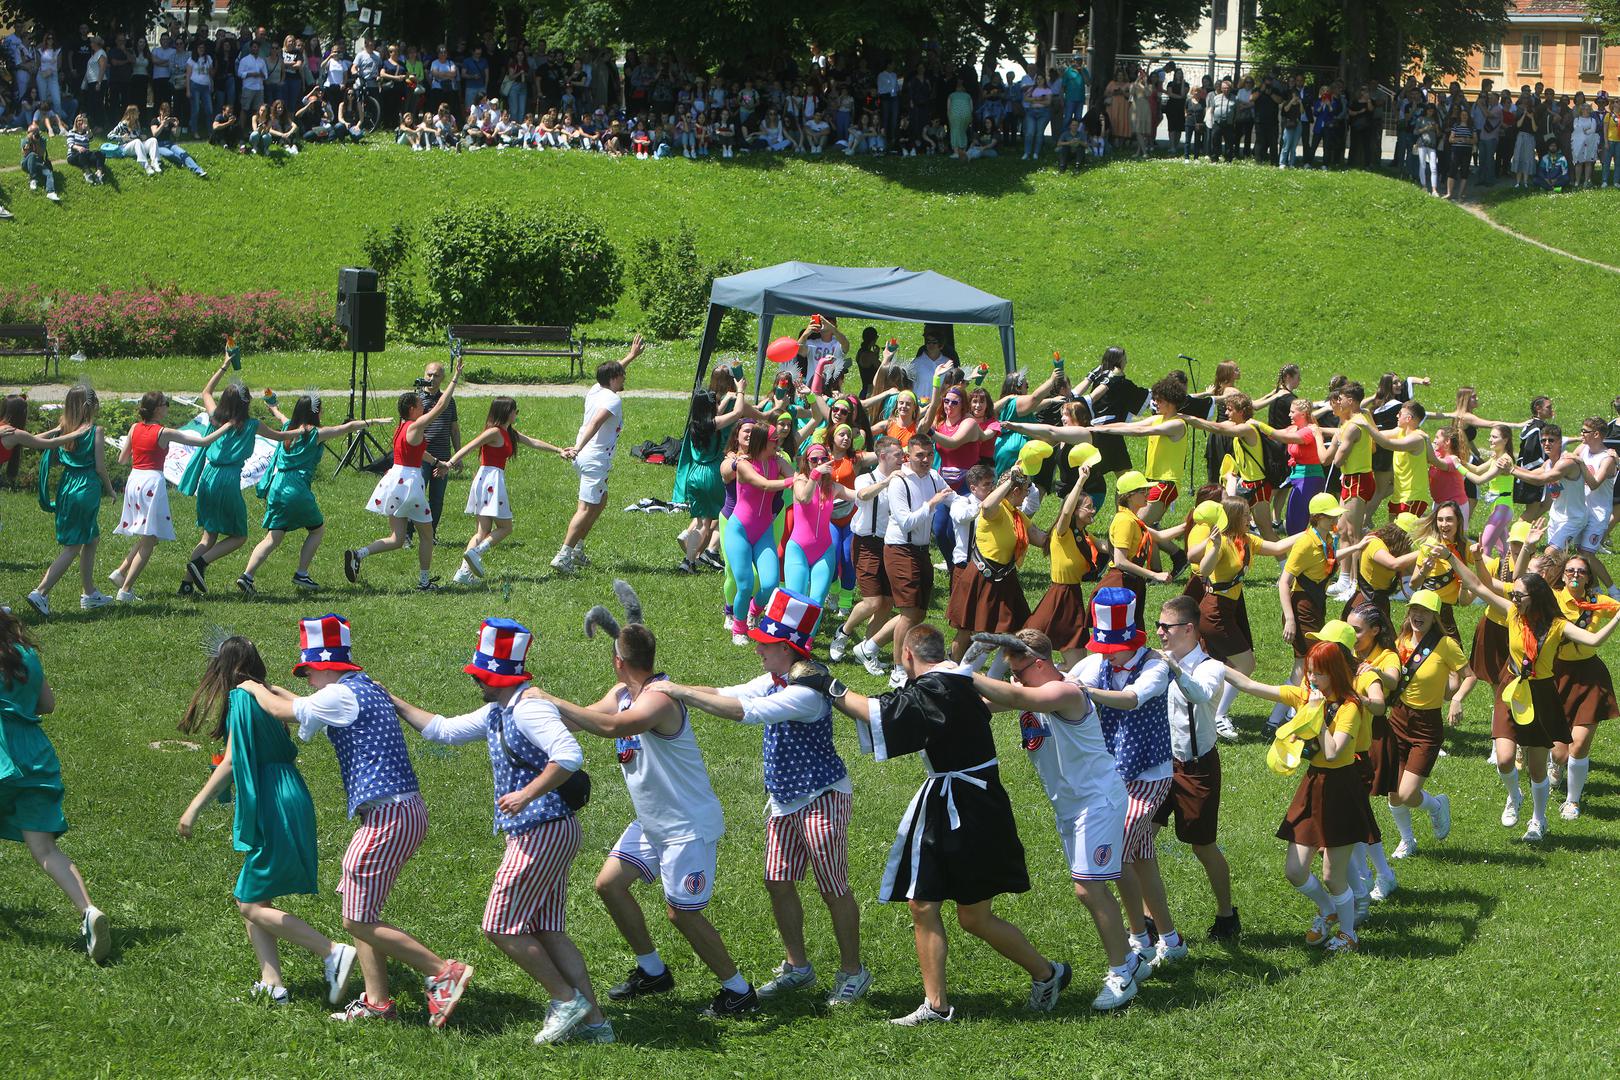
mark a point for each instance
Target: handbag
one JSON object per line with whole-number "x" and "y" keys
{"x": 575, "y": 791}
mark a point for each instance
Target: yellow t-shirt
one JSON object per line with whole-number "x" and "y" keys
{"x": 1311, "y": 557}
{"x": 1427, "y": 687}
{"x": 1229, "y": 564}
{"x": 997, "y": 532}
{"x": 1251, "y": 460}
{"x": 1070, "y": 560}
{"x": 1602, "y": 613}
{"x": 1359, "y": 457}
{"x": 1442, "y": 578}
{"x": 1372, "y": 572}
{"x": 1166, "y": 460}
{"x": 1386, "y": 661}
{"x": 1520, "y": 640}
{"x": 1493, "y": 567}
{"x": 1196, "y": 535}
{"x": 1130, "y": 537}
{"x": 1351, "y": 718}
{"x": 1411, "y": 476}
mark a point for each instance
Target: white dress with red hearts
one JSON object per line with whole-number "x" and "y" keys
{"x": 146, "y": 492}
{"x": 401, "y": 492}
{"x": 488, "y": 495}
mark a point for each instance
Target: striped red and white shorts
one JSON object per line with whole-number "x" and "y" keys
{"x": 1142, "y": 800}
{"x": 388, "y": 836}
{"x": 818, "y": 835}
{"x": 531, "y": 887}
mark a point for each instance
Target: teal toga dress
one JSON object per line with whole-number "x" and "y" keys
{"x": 275, "y": 817}
{"x": 288, "y": 501}
{"x": 697, "y": 476}
{"x": 77, "y": 505}
{"x": 30, "y": 775}
{"x": 215, "y": 478}
{"x": 959, "y": 111}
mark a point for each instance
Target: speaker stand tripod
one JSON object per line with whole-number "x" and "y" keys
{"x": 363, "y": 448}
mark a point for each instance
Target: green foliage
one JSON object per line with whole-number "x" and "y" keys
{"x": 1606, "y": 13}
{"x": 1381, "y": 38}
{"x": 670, "y": 282}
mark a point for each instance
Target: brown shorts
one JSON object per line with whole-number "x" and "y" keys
{"x": 911, "y": 575}
{"x": 1329, "y": 810}
{"x": 869, "y": 575}
{"x": 1062, "y": 615}
{"x": 1586, "y": 690}
{"x": 1549, "y": 725}
{"x": 1223, "y": 623}
{"x": 1417, "y": 735}
{"x": 1195, "y": 799}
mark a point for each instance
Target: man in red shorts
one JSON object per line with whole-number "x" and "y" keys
{"x": 1351, "y": 453}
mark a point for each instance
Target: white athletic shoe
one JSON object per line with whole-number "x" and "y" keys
{"x": 125, "y": 596}
{"x": 1383, "y": 887}
{"x": 1117, "y": 990}
{"x": 1404, "y": 849}
{"x": 336, "y": 968}
{"x": 1168, "y": 954}
{"x": 897, "y": 678}
{"x": 738, "y": 638}
{"x": 97, "y": 936}
{"x": 1363, "y": 909}
{"x": 925, "y": 1014}
{"x": 97, "y": 599}
{"x": 1569, "y": 811}
{"x": 562, "y": 1019}
{"x": 1440, "y": 817}
{"x": 39, "y": 603}
{"x": 474, "y": 560}
{"x": 839, "y": 646}
{"x": 1535, "y": 831}
{"x": 117, "y": 578}
{"x": 1226, "y": 729}
{"x": 867, "y": 653}
{"x": 850, "y": 988}
{"x": 274, "y": 996}
{"x": 462, "y": 576}
{"x": 564, "y": 562}
{"x": 1510, "y": 812}
{"x": 1554, "y": 773}
{"x": 788, "y": 978}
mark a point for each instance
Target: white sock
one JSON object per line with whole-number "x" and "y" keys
{"x": 1228, "y": 696}
{"x": 1429, "y": 802}
{"x": 1345, "y": 572}
{"x": 736, "y": 984}
{"x": 1575, "y": 778}
{"x": 1279, "y": 715}
{"x": 1380, "y": 861}
{"x": 1403, "y": 822}
{"x": 1140, "y": 941}
{"x": 1318, "y": 893}
{"x": 360, "y": 553}
{"x": 1359, "y": 872}
{"x": 1345, "y": 905}
{"x": 1173, "y": 938}
{"x": 1538, "y": 799}
{"x": 1510, "y": 780}
{"x": 650, "y": 963}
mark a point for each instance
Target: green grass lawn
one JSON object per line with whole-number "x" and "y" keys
{"x": 1579, "y": 222}
{"x": 1490, "y": 955}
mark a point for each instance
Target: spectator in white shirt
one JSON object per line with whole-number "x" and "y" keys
{"x": 253, "y": 71}
{"x": 913, "y": 494}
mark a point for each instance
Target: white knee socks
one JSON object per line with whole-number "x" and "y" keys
{"x": 1510, "y": 780}
{"x": 1345, "y": 905}
{"x": 1575, "y": 777}
{"x": 1319, "y": 894}
{"x": 1403, "y": 822}
{"x": 1380, "y": 861}
{"x": 1538, "y": 799}
{"x": 1227, "y": 697}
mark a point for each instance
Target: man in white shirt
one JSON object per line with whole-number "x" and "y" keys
{"x": 252, "y": 71}
{"x": 164, "y": 59}
{"x": 867, "y": 529}
{"x": 532, "y": 755}
{"x": 913, "y": 493}
{"x": 592, "y": 455}
{"x": 1196, "y": 683}
{"x": 927, "y": 364}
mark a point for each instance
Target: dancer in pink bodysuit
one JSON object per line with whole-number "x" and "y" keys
{"x": 810, "y": 560}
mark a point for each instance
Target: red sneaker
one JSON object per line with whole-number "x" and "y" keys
{"x": 445, "y": 989}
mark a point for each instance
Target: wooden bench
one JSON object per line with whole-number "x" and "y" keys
{"x": 539, "y": 341}
{"x": 30, "y": 339}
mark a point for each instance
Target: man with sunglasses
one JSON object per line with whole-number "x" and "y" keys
{"x": 1562, "y": 477}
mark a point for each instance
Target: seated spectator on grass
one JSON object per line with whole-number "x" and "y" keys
{"x": 1552, "y": 172}
{"x": 259, "y": 139}
{"x": 79, "y": 155}
{"x": 935, "y": 137}
{"x": 1071, "y": 147}
{"x": 36, "y": 162}
{"x": 284, "y": 129}
{"x": 816, "y": 130}
{"x": 724, "y": 133}
{"x": 43, "y": 113}
{"x": 166, "y": 130}
{"x": 227, "y": 129}
{"x": 133, "y": 141}
{"x": 446, "y": 134}
{"x": 983, "y": 144}
{"x": 1097, "y": 131}
{"x": 350, "y": 116}
{"x": 406, "y": 132}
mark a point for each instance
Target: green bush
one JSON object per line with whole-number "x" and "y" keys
{"x": 672, "y": 282}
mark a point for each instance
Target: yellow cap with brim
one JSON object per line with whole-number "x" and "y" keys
{"x": 1211, "y": 513}
{"x": 1130, "y": 482}
{"x": 1426, "y": 598}
{"x": 1083, "y": 454}
{"x": 1337, "y": 631}
{"x": 1516, "y": 696}
{"x": 1408, "y": 521}
{"x": 1519, "y": 533}
{"x": 1323, "y": 503}
{"x": 1033, "y": 455}
{"x": 1287, "y": 749}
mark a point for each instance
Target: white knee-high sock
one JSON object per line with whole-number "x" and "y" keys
{"x": 1510, "y": 780}
{"x": 1359, "y": 873}
{"x": 1578, "y": 768}
{"x": 1538, "y": 799}
{"x": 1318, "y": 893}
{"x": 1403, "y": 822}
{"x": 1429, "y": 802}
{"x": 1345, "y": 905}
{"x": 1380, "y": 860}
{"x": 1279, "y": 714}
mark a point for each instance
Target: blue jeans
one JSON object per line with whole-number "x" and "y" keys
{"x": 1035, "y": 121}
{"x": 1611, "y": 161}
{"x": 889, "y": 107}
{"x": 470, "y": 93}
{"x": 202, "y": 110}
{"x": 1290, "y": 145}
{"x": 176, "y": 153}
{"x": 1487, "y": 161}
{"x": 517, "y": 102}
{"x": 39, "y": 171}
{"x": 1073, "y": 110}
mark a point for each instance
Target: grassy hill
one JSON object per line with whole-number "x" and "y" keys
{"x": 1476, "y": 965}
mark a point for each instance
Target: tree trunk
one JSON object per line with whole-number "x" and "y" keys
{"x": 1356, "y": 61}
{"x": 1068, "y": 22}
{"x": 1105, "y": 30}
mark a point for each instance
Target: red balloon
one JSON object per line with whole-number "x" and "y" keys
{"x": 782, "y": 350}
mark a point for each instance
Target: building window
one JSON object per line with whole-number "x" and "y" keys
{"x": 1491, "y": 58}
{"x": 1530, "y": 53}
{"x": 1591, "y": 55}
{"x": 1218, "y": 10}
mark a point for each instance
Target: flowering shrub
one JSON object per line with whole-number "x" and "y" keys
{"x": 163, "y": 321}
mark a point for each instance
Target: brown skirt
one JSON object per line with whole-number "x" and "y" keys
{"x": 1223, "y": 623}
{"x": 1382, "y": 756}
{"x": 1063, "y": 616}
{"x": 1364, "y": 763}
{"x": 1417, "y": 735}
{"x": 1549, "y": 726}
{"x": 1115, "y": 578}
{"x": 1308, "y": 616}
{"x": 1586, "y": 690}
{"x": 979, "y": 605}
{"x": 1330, "y": 809}
{"x": 1489, "y": 659}
{"x": 1448, "y": 623}
{"x": 1196, "y": 587}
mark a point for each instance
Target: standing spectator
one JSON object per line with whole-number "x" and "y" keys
{"x": 165, "y": 59}
{"x": 292, "y": 72}
{"x": 1609, "y": 121}
{"x": 49, "y": 76}
{"x": 1331, "y": 119}
{"x": 474, "y": 75}
{"x": 919, "y": 94}
{"x": 93, "y": 86}
{"x": 334, "y": 75}
{"x": 1244, "y": 117}
{"x": 367, "y": 66}
{"x": 22, "y": 60}
{"x": 1364, "y": 131}
{"x": 1175, "y": 108}
{"x": 959, "y": 112}
{"x": 442, "y": 75}
{"x": 200, "y": 88}
{"x": 1407, "y": 108}
{"x": 1267, "y": 105}
{"x": 393, "y": 80}
{"x": 1037, "y": 115}
{"x": 92, "y": 162}
{"x": 1487, "y": 119}
{"x": 1075, "y": 80}
{"x": 1290, "y": 118}
{"x": 1584, "y": 145}
{"x": 1426, "y": 135}
{"x": 515, "y": 86}
{"x": 1221, "y": 118}
{"x": 1527, "y": 128}
{"x": 888, "y": 93}
{"x": 270, "y": 53}
{"x": 253, "y": 74}
{"x": 226, "y": 53}
{"x": 79, "y": 55}
{"x": 120, "y": 74}
{"x": 140, "y": 81}
{"x": 443, "y": 438}
{"x": 1142, "y": 114}
{"x": 1119, "y": 107}
{"x": 1460, "y": 153}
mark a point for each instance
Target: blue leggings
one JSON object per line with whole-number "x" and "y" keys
{"x": 844, "y": 547}
{"x": 807, "y": 578}
{"x": 754, "y": 565}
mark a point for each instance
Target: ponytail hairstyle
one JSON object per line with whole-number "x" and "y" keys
{"x": 1373, "y": 616}
{"x": 151, "y": 402}
{"x": 13, "y": 638}
{"x": 1394, "y": 538}
{"x": 1286, "y": 372}
{"x": 238, "y": 660}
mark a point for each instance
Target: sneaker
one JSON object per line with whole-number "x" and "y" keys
{"x": 37, "y": 601}
{"x": 709, "y": 559}
{"x": 445, "y": 989}
{"x": 1363, "y": 908}
{"x": 1535, "y": 831}
{"x": 117, "y": 577}
{"x": 95, "y": 933}
{"x": 351, "y": 565}
{"x": 1342, "y": 944}
{"x": 579, "y": 557}
{"x": 1043, "y": 993}
{"x": 273, "y": 996}
{"x": 727, "y": 1004}
{"x": 336, "y": 968}
{"x": 361, "y": 1009}
{"x": 925, "y": 1014}
{"x": 1117, "y": 991}
{"x": 1323, "y": 927}
{"x": 1226, "y": 729}
{"x": 430, "y": 585}
{"x": 94, "y": 600}
{"x": 867, "y": 653}
{"x": 686, "y": 566}
{"x": 1165, "y": 953}
{"x": 593, "y": 1033}
{"x": 1404, "y": 849}
{"x": 462, "y": 576}
{"x": 1510, "y": 812}
{"x": 1440, "y": 817}
{"x": 638, "y": 983}
{"x": 245, "y": 583}
{"x": 839, "y": 646}
{"x": 186, "y": 588}
{"x": 1383, "y": 887}
{"x": 304, "y": 581}
{"x": 564, "y": 561}
{"x": 897, "y": 678}
{"x": 1569, "y": 811}
{"x": 195, "y": 569}
{"x": 127, "y": 597}
{"x": 788, "y": 978}
{"x": 1226, "y": 927}
{"x": 474, "y": 560}
{"x": 564, "y": 1017}
{"x": 5, "y": 215}
{"x": 53, "y": 196}
{"x": 33, "y": 185}
{"x": 850, "y": 988}
{"x": 739, "y": 638}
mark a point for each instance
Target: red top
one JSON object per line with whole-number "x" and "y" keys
{"x": 145, "y": 450}
{"x": 497, "y": 454}
{"x": 404, "y": 452}
{"x": 5, "y": 451}
{"x": 1302, "y": 453}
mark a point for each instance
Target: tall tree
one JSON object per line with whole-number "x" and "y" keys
{"x": 1380, "y": 39}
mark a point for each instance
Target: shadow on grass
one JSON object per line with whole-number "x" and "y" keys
{"x": 49, "y": 928}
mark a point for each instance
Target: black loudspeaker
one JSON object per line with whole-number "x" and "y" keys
{"x": 362, "y": 311}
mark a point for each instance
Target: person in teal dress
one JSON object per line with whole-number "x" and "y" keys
{"x": 274, "y": 826}
{"x": 215, "y": 478}
{"x": 698, "y": 483}
{"x": 31, "y": 778}
{"x": 289, "y": 502}
{"x": 959, "y": 113}
{"x": 77, "y": 499}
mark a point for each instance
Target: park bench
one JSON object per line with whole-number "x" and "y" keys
{"x": 30, "y": 339}
{"x": 536, "y": 341}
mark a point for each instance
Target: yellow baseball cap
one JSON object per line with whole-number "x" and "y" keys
{"x": 1408, "y": 521}
{"x": 1519, "y": 533}
{"x": 1516, "y": 694}
{"x": 1083, "y": 454}
{"x": 1426, "y": 598}
{"x": 1211, "y": 513}
{"x": 1337, "y": 631}
{"x": 1323, "y": 503}
{"x": 1033, "y": 455}
{"x": 1130, "y": 482}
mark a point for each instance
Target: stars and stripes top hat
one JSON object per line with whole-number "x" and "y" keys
{"x": 502, "y": 646}
{"x": 323, "y": 645}
{"x": 1114, "y": 626}
{"x": 790, "y": 619}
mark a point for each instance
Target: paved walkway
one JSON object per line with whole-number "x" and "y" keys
{"x": 57, "y": 391}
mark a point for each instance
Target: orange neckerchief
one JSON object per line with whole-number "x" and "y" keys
{"x": 1020, "y": 535}
{"x": 1145, "y": 548}
{"x": 1330, "y": 551}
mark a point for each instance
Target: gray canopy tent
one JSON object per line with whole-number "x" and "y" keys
{"x": 888, "y": 293}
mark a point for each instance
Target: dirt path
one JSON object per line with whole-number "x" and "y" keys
{"x": 1480, "y": 212}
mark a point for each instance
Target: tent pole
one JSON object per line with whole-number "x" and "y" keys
{"x": 765, "y": 320}
{"x": 711, "y": 337}
{"x": 1009, "y": 350}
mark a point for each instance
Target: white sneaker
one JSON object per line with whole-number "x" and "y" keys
{"x": 336, "y": 968}
{"x": 274, "y": 996}
{"x": 1555, "y": 775}
{"x": 1117, "y": 990}
{"x": 925, "y": 1014}
{"x": 1440, "y": 817}
{"x": 867, "y": 653}
{"x": 1168, "y": 954}
{"x": 1226, "y": 729}
{"x": 1569, "y": 811}
{"x": 1043, "y": 993}
{"x": 97, "y": 937}
{"x": 897, "y": 678}
{"x": 1363, "y": 908}
{"x": 564, "y": 561}
{"x": 117, "y": 577}
{"x": 563, "y": 1019}
{"x": 53, "y": 196}
{"x": 1536, "y": 830}
{"x": 125, "y": 596}
{"x": 788, "y": 978}
{"x": 94, "y": 600}
{"x": 1404, "y": 849}
{"x": 850, "y": 988}
{"x": 1383, "y": 887}
{"x": 474, "y": 560}
{"x": 1510, "y": 812}
{"x": 33, "y": 185}
{"x": 839, "y": 646}
{"x": 39, "y": 603}
{"x": 462, "y": 576}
